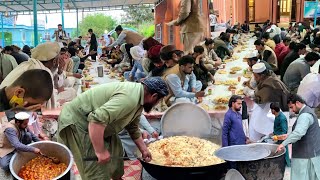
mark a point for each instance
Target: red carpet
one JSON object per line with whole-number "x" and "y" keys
{"x": 132, "y": 170}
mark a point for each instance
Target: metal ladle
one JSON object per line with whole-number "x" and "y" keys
{"x": 54, "y": 159}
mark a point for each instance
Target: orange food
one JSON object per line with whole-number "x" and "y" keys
{"x": 41, "y": 168}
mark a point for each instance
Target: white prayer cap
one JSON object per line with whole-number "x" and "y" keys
{"x": 22, "y": 116}
{"x": 252, "y": 54}
{"x": 137, "y": 53}
{"x": 46, "y": 51}
{"x": 259, "y": 68}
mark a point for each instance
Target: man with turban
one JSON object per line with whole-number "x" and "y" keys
{"x": 89, "y": 125}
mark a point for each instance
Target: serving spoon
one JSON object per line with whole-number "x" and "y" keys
{"x": 54, "y": 159}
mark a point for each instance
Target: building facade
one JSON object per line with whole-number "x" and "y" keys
{"x": 258, "y": 11}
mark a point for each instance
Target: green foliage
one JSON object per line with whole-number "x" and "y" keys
{"x": 7, "y": 38}
{"x": 147, "y": 29}
{"x": 140, "y": 18}
{"x": 97, "y": 22}
{"x": 136, "y": 15}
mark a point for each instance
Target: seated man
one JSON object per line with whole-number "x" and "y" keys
{"x": 16, "y": 136}
{"x": 182, "y": 81}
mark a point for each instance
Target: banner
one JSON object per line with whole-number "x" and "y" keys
{"x": 309, "y": 9}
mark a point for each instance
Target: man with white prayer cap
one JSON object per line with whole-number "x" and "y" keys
{"x": 15, "y": 136}
{"x": 269, "y": 89}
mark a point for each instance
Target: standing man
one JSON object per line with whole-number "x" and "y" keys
{"x": 126, "y": 36}
{"x": 213, "y": 20}
{"x": 232, "y": 129}
{"x": 60, "y": 35}
{"x": 190, "y": 21}
{"x": 305, "y": 163}
{"x": 89, "y": 125}
{"x": 93, "y": 44}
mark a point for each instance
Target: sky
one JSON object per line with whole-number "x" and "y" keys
{"x": 69, "y": 18}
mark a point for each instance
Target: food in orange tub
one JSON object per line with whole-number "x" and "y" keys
{"x": 41, "y": 168}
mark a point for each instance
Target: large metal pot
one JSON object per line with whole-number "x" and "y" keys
{"x": 185, "y": 173}
{"x": 271, "y": 167}
{"x": 48, "y": 148}
{"x": 159, "y": 172}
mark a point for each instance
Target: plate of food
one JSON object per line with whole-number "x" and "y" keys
{"x": 232, "y": 88}
{"x": 218, "y": 83}
{"x": 236, "y": 68}
{"x": 221, "y": 100}
{"x": 88, "y": 78}
{"x": 231, "y": 82}
{"x": 233, "y": 72}
{"x": 239, "y": 92}
{"x": 222, "y": 71}
{"x": 228, "y": 60}
{"x": 220, "y": 108}
{"x": 247, "y": 75}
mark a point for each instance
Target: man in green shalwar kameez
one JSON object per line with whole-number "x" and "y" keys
{"x": 89, "y": 124}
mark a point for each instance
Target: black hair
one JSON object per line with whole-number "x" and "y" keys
{"x": 233, "y": 99}
{"x": 299, "y": 46}
{"x": 277, "y": 39}
{"x": 64, "y": 44}
{"x": 72, "y": 51}
{"x": 292, "y": 45}
{"x": 293, "y": 98}
{"x": 80, "y": 37}
{"x": 208, "y": 41}
{"x": 118, "y": 28}
{"x": 287, "y": 39}
{"x": 275, "y": 106}
{"x": 41, "y": 86}
{"x": 266, "y": 35}
{"x": 90, "y": 30}
{"x": 7, "y": 48}
{"x": 198, "y": 49}
{"x": 282, "y": 29}
{"x": 312, "y": 56}
{"x": 259, "y": 42}
{"x": 225, "y": 37}
{"x": 179, "y": 53}
{"x": 186, "y": 60}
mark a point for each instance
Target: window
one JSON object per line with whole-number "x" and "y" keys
{"x": 23, "y": 36}
{"x": 251, "y": 4}
{"x": 171, "y": 35}
{"x": 159, "y": 33}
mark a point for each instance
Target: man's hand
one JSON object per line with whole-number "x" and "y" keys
{"x": 36, "y": 151}
{"x": 61, "y": 89}
{"x": 280, "y": 148}
{"x": 155, "y": 135}
{"x": 200, "y": 94}
{"x": 44, "y": 137}
{"x": 77, "y": 75}
{"x": 33, "y": 107}
{"x": 171, "y": 23}
{"x": 103, "y": 157}
{"x": 145, "y": 135}
{"x": 146, "y": 155}
{"x": 218, "y": 63}
{"x": 92, "y": 52}
{"x": 131, "y": 78}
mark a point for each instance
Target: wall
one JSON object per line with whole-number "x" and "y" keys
{"x": 262, "y": 10}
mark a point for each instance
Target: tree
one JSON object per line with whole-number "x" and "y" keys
{"x": 99, "y": 23}
{"x": 136, "y": 15}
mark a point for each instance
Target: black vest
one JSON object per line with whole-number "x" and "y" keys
{"x": 309, "y": 145}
